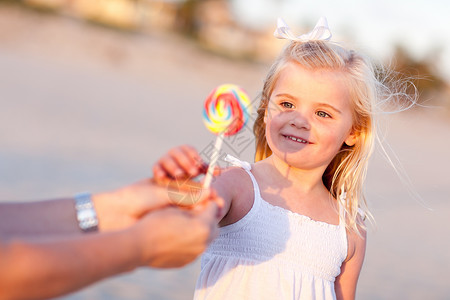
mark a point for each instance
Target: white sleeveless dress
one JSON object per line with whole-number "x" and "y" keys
{"x": 272, "y": 253}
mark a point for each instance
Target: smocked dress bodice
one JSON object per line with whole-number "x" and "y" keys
{"x": 272, "y": 253}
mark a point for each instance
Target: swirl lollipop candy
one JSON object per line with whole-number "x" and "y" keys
{"x": 226, "y": 111}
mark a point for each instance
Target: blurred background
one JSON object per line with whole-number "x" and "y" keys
{"x": 92, "y": 92}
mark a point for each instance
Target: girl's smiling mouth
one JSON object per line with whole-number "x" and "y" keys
{"x": 296, "y": 139}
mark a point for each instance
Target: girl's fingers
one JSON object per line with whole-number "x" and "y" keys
{"x": 193, "y": 154}
{"x": 204, "y": 168}
{"x": 187, "y": 159}
{"x": 171, "y": 167}
{"x": 183, "y": 161}
{"x": 159, "y": 173}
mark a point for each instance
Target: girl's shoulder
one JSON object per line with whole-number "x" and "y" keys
{"x": 235, "y": 186}
{"x": 234, "y": 178}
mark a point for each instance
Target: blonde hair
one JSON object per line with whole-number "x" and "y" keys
{"x": 347, "y": 170}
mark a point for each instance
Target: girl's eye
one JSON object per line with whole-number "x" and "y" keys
{"x": 287, "y": 105}
{"x": 323, "y": 114}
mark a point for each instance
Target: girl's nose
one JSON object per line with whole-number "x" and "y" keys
{"x": 299, "y": 121}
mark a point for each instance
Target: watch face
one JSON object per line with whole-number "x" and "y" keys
{"x": 86, "y": 215}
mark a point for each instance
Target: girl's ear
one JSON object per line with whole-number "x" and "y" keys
{"x": 352, "y": 138}
{"x": 265, "y": 116}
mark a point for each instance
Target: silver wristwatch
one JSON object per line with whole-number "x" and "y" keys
{"x": 86, "y": 215}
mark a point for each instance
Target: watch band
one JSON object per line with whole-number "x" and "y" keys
{"x": 86, "y": 215}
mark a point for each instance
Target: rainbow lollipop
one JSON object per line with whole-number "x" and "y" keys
{"x": 226, "y": 111}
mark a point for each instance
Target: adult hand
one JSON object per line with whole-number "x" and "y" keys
{"x": 124, "y": 207}
{"x": 173, "y": 237}
{"x": 55, "y": 265}
{"x": 121, "y": 208}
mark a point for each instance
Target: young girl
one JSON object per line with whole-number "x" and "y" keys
{"x": 292, "y": 226}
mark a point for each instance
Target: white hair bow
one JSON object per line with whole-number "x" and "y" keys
{"x": 321, "y": 32}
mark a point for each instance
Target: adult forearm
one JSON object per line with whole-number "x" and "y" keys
{"x": 115, "y": 210}
{"x": 38, "y": 218}
{"x": 40, "y": 270}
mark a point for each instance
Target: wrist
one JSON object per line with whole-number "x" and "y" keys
{"x": 104, "y": 204}
{"x": 114, "y": 210}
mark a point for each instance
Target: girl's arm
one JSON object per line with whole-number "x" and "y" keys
{"x": 345, "y": 284}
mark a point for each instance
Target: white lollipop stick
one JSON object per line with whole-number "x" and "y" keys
{"x": 214, "y": 157}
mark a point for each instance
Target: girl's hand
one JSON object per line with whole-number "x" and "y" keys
{"x": 175, "y": 171}
{"x": 180, "y": 162}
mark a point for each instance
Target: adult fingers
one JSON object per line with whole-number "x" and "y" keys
{"x": 209, "y": 217}
{"x": 207, "y": 212}
{"x": 208, "y": 195}
{"x": 206, "y": 218}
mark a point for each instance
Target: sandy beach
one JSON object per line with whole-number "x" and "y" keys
{"x": 86, "y": 108}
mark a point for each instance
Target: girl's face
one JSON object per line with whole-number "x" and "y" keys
{"x": 309, "y": 116}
